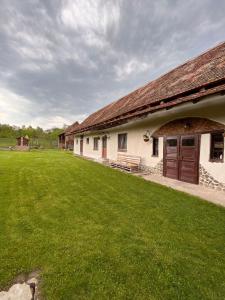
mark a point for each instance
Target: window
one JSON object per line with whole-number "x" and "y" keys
{"x": 155, "y": 147}
{"x": 188, "y": 142}
{"x": 217, "y": 147}
{"x": 122, "y": 142}
{"x": 87, "y": 140}
{"x": 171, "y": 142}
{"x": 96, "y": 143}
{"x": 77, "y": 141}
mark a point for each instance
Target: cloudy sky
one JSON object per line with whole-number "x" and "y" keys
{"x": 61, "y": 60}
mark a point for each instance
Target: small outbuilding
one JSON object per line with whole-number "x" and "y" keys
{"x": 66, "y": 138}
{"x": 22, "y": 143}
{"x": 61, "y": 140}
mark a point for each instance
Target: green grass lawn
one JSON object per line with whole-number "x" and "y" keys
{"x": 97, "y": 233}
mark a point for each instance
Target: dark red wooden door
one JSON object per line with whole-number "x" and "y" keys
{"x": 81, "y": 146}
{"x": 104, "y": 147}
{"x": 171, "y": 157}
{"x": 181, "y": 158}
{"x": 189, "y": 158}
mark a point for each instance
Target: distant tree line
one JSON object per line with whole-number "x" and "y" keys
{"x": 8, "y": 131}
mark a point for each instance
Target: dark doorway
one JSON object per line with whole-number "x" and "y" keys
{"x": 181, "y": 158}
{"x": 104, "y": 147}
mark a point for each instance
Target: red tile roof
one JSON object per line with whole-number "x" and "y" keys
{"x": 194, "y": 79}
{"x": 70, "y": 129}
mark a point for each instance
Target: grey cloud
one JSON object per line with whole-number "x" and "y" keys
{"x": 69, "y": 58}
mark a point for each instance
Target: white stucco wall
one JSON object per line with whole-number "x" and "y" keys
{"x": 216, "y": 169}
{"x": 135, "y": 146}
{"x": 212, "y": 108}
{"x": 88, "y": 149}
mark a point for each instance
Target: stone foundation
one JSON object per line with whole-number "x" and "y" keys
{"x": 158, "y": 169}
{"x": 206, "y": 179}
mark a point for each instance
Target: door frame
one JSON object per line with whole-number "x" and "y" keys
{"x": 179, "y": 138}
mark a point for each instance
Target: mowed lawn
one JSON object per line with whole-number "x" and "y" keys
{"x": 97, "y": 233}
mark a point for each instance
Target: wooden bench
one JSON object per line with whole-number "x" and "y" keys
{"x": 129, "y": 163}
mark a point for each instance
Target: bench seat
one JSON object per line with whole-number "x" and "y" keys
{"x": 129, "y": 163}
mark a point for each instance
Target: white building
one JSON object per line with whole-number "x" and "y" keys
{"x": 175, "y": 123}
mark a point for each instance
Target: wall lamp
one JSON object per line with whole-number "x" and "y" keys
{"x": 147, "y": 136}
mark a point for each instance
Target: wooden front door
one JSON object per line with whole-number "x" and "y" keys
{"x": 81, "y": 146}
{"x": 104, "y": 147}
{"x": 181, "y": 158}
{"x": 189, "y": 158}
{"x": 171, "y": 156}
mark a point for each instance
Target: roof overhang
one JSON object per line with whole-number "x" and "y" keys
{"x": 194, "y": 96}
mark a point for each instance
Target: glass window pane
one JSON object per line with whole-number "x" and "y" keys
{"x": 171, "y": 142}
{"x": 155, "y": 144}
{"x": 217, "y": 146}
{"x": 96, "y": 143}
{"x": 122, "y": 141}
{"x": 188, "y": 142}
